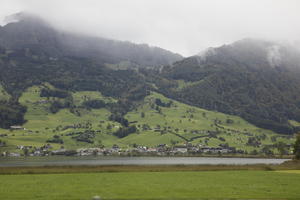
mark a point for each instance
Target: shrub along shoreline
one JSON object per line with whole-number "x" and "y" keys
{"x": 288, "y": 165}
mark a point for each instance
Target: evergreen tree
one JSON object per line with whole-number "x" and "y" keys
{"x": 297, "y": 147}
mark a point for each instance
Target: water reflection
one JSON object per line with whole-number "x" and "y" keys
{"x": 43, "y": 161}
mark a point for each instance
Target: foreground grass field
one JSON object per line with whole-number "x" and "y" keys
{"x": 152, "y": 185}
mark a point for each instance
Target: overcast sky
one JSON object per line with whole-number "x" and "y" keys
{"x": 183, "y": 26}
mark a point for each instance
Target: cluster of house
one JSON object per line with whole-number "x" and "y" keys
{"x": 30, "y": 151}
{"x": 183, "y": 149}
{"x": 160, "y": 150}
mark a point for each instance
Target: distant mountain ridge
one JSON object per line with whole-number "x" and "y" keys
{"x": 27, "y": 30}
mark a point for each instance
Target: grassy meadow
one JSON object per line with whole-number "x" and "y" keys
{"x": 194, "y": 124}
{"x": 173, "y": 125}
{"x": 153, "y": 185}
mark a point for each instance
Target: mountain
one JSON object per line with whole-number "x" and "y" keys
{"x": 255, "y": 79}
{"x": 32, "y": 52}
{"x": 82, "y": 91}
{"x": 29, "y": 31}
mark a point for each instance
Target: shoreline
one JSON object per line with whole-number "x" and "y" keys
{"x": 67, "y": 169}
{"x": 142, "y": 168}
{"x": 161, "y": 156}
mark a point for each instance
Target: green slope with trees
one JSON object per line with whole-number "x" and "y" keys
{"x": 90, "y": 120}
{"x": 240, "y": 79}
{"x": 79, "y": 91}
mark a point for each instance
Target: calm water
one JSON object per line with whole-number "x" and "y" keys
{"x": 47, "y": 161}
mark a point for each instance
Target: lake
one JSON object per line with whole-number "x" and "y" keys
{"x": 63, "y": 161}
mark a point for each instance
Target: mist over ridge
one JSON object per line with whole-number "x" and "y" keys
{"x": 185, "y": 28}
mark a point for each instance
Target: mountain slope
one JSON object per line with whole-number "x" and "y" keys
{"x": 158, "y": 120}
{"x": 257, "y": 80}
{"x": 80, "y": 91}
{"x": 32, "y": 52}
{"x": 29, "y": 31}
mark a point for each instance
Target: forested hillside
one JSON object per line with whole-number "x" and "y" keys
{"x": 92, "y": 122}
{"x": 257, "y": 80}
{"x": 33, "y": 52}
{"x": 253, "y": 79}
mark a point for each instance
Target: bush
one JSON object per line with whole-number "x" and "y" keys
{"x": 297, "y": 147}
{"x": 11, "y": 113}
{"x": 95, "y": 104}
{"x": 53, "y": 93}
{"x": 86, "y": 136}
{"x": 125, "y": 131}
{"x": 162, "y": 104}
{"x": 120, "y": 119}
{"x": 55, "y": 139}
{"x": 56, "y": 106}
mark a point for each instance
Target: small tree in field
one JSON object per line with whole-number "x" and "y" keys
{"x": 297, "y": 147}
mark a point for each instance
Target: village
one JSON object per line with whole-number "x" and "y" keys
{"x": 115, "y": 150}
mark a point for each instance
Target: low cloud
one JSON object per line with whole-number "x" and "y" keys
{"x": 274, "y": 57}
{"x": 186, "y": 27}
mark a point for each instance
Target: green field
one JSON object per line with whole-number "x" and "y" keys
{"x": 152, "y": 185}
{"x": 173, "y": 125}
{"x": 194, "y": 123}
